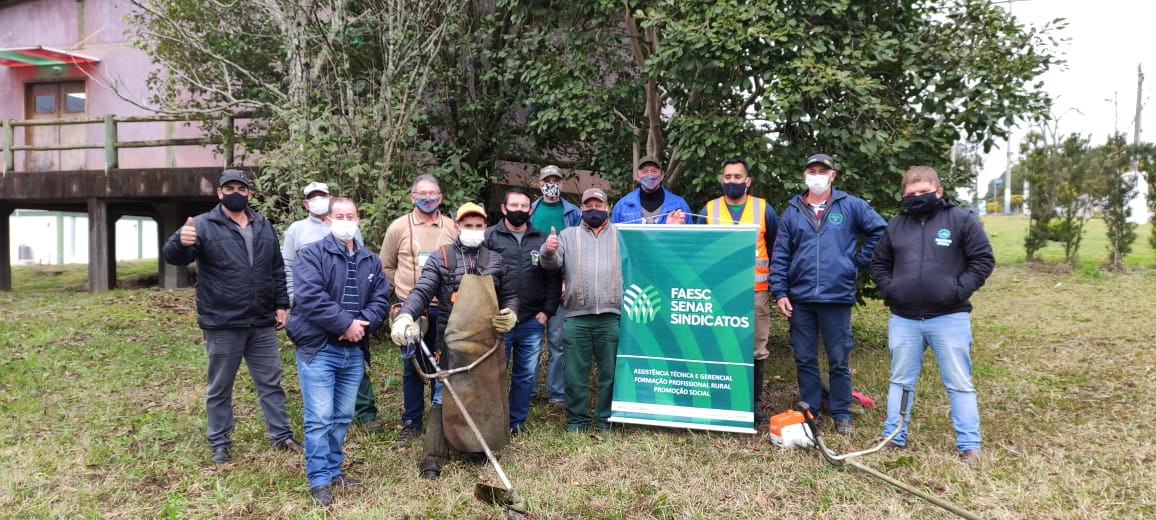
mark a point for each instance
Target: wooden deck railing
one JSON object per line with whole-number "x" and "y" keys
{"x": 111, "y": 144}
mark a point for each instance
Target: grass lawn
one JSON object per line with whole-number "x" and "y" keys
{"x": 102, "y": 401}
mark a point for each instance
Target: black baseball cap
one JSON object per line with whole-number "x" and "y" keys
{"x": 228, "y": 176}
{"x": 820, "y": 158}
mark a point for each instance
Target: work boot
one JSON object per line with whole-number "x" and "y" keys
{"x": 322, "y": 495}
{"x": 757, "y": 386}
{"x": 291, "y": 444}
{"x": 408, "y": 432}
{"x": 220, "y": 455}
{"x": 844, "y": 427}
{"x": 344, "y": 481}
{"x": 372, "y": 426}
{"x": 970, "y": 457}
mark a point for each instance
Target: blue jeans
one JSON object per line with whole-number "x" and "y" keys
{"x": 413, "y": 385}
{"x": 950, "y": 339}
{"x": 833, "y": 321}
{"x": 555, "y": 373}
{"x": 328, "y": 392}
{"x": 523, "y": 351}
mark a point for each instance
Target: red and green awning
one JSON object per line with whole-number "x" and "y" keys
{"x": 41, "y": 57}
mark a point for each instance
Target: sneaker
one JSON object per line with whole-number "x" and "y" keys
{"x": 558, "y": 403}
{"x": 891, "y": 446}
{"x": 970, "y": 457}
{"x": 844, "y": 427}
{"x": 344, "y": 481}
{"x": 290, "y": 444}
{"x": 408, "y": 432}
{"x": 220, "y": 455}
{"x": 322, "y": 495}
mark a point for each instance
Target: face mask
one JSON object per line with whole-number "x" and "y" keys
{"x": 920, "y": 204}
{"x": 734, "y": 190}
{"x": 343, "y": 230}
{"x": 426, "y": 205}
{"x": 594, "y": 217}
{"x": 650, "y": 182}
{"x": 319, "y": 205}
{"x": 235, "y": 201}
{"x": 818, "y": 183}
{"x": 551, "y": 190}
{"x": 517, "y": 218}
{"x": 472, "y": 237}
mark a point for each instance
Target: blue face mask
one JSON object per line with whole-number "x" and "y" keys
{"x": 426, "y": 205}
{"x": 650, "y": 182}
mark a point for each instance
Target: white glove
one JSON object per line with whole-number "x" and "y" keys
{"x": 403, "y": 328}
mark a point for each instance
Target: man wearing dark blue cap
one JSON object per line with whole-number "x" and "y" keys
{"x": 813, "y": 272}
{"x": 241, "y": 304}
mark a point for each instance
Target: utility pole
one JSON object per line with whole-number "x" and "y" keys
{"x": 1007, "y": 182}
{"x": 1139, "y": 108}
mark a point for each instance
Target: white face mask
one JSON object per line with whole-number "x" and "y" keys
{"x": 319, "y": 205}
{"x": 343, "y": 230}
{"x": 818, "y": 184}
{"x": 472, "y": 237}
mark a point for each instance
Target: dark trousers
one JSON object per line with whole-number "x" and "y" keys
{"x": 412, "y": 384}
{"x": 587, "y": 340}
{"x": 833, "y": 321}
{"x": 365, "y": 410}
{"x": 225, "y": 348}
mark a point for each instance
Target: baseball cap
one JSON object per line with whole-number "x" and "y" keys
{"x": 550, "y": 171}
{"x": 649, "y": 159}
{"x": 593, "y": 193}
{"x": 820, "y": 158}
{"x": 316, "y": 186}
{"x": 469, "y": 208}
{"x": 228, "y": 176}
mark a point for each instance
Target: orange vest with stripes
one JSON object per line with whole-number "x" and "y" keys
{"x": 755, "y": 213}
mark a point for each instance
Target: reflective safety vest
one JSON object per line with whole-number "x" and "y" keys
{"x": 755, "y": 213}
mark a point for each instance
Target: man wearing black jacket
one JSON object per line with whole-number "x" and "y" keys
{"x": 241, "y": 304}
{"x": 539, "y": 292}
{"x": 930, "y": 260}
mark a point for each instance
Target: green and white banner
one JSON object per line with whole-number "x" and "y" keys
{"x": 686, "y": 346}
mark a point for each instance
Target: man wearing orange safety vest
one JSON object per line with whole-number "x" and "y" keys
{"x": 736, "y": 207}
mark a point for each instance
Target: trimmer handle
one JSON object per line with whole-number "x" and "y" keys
{"x": 808, "y": 417}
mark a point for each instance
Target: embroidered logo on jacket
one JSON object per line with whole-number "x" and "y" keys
{"x": 943, "y": 237}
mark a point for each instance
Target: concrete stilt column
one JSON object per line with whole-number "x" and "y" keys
{"x": 99, "y": 244}
{"x": 170, "y": 218}
{"x": 5, "y": 249}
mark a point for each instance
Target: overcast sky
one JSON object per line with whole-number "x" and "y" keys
{"x": 1106, "y": 40}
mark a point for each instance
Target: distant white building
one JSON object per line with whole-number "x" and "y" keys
{"x": 54, "y": 237}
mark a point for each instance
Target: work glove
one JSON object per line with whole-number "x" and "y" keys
{"x": 504, "y": 321}
{"x": 404, "y": 328}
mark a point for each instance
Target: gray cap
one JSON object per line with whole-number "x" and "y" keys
{"x": 228, "y": 176}
{"x": 550, "y": 171}
{"x": 316, "y": 186}
{"x": 821, "y": 158}
{"x": 649, "y": 159}
{"x": 594, "y": 193}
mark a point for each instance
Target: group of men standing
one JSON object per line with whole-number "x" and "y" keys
{"x": 556, "y": 273}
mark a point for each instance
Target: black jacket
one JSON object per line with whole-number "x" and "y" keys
{"x": 437, "y": 280}
{"x": 538, "y": 290}
{"x": 929, "y": 265}
{"x": 231, "y": 293}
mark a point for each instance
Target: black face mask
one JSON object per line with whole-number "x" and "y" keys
{"x": 734, "y": 190}
{"x": 234, "y": 201}
{"x": 517, "y": 218}
{"x": 920, "y": 204}
{"x": 594, "y": 217}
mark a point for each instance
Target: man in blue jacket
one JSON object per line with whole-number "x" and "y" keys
{"x": 342, "y": 297}
{"x": 930, "y": 261}
{"x": 813, "y": 272}
{"x": 651, "y": 203}
{"x": 241, "y": 304}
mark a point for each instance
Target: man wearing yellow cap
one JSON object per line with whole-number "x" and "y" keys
{"x": 440, "y": 276}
